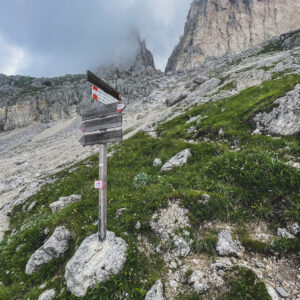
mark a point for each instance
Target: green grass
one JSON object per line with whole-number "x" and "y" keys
{"x": 252, "y": 184}
{"x": 243, "y": 284}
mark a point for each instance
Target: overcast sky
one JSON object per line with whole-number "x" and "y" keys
{"x": 57, "y": 37}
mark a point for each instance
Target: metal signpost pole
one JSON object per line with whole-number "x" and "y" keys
{"x": 102, "y": 192}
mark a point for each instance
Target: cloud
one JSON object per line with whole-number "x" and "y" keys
{"x": 13, "y": 59}
{"x": 55, "y": 37}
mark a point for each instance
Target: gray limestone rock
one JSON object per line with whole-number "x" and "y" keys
{"x": 284, "y": 119}
{"x": 282, "y": 232}
{"x": 251, "y": 78}
{"x": 281, "y": 292}
{"x": 207, "y": 87}
{"x": 157, "y": 162}
{"x": 156, "y": 292}
{"x": 177, "y": 161}
{"x": 54, "y": 247}
{"x": 181, "y": 247}
{"x": 226, "y": 246}
{"x": 95, "y": 262}
{"x": 272, "y": 293}
{"x": 62, "y": 202}
{"x": 176, "y": 98}
{"x": 199, "y": 282}
{"x": 47, "y": 295}
{"x": 294, "y": 228}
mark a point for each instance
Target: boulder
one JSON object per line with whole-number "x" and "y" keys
{"x": 156, "y": 292}
{"x": 177, "y": 161}
{"x": 54, "y": 247}
{"x": 95, "y": 262}
{"x": 47, "y": 295}
{"x": 226, "y": 246}
{"x": 62, "y": 202}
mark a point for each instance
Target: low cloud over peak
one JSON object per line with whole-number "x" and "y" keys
{"x": 55, "y": 37}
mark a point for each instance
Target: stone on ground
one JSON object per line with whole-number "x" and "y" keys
{"x": 226, "y": 246}
{"x": 54, "y": 247}
{"x": 177, "y": 161}
{"x": 282, "y": 232}
{"x": 95, "y": 262}
{"x": 181, "y": 247}
{"x": 199, "y": 282}
{"x": 62, "y": 202}
{"x": 272, "y": 293}
{"x": 156, "y": 292}
{"x": 281, "y": 292}
{"x": 47, "y": 295}
{"x": 157, "y": 162}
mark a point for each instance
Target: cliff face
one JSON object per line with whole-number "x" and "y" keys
{"x": 217, "y": 27}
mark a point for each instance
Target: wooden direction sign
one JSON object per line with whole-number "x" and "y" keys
{"x": 103, "y": 123}
{"x": 101, "y": 138}
{"x": 98, "y": 121}
{"x": 103, "y": 111}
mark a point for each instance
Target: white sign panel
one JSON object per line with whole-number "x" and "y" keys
{"x": 103, "y": 97}
{"x": 99, "y": 185}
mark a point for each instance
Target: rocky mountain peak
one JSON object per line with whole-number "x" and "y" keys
{"x": 141, "y": 60}
{"x": 218, "y": 27}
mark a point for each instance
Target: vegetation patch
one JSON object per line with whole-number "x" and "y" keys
{"x": 243, "y": 284}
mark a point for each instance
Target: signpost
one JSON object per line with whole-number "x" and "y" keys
{"x": 98, "y": 121}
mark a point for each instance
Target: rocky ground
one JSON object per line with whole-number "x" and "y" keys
{"x": 197, "y": 254}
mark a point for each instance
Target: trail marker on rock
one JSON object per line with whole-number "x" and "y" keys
{"x": 105, "y": 117}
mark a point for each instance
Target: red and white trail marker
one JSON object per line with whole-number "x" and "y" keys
{"x": 99, "y": 185}
{"x": 103, "y": 97}
{"x": 120, "y": 107}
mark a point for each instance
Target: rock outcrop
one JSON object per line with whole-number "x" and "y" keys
{"x": 95, "y": 262}
{"x": 54, "y": 247}
{"x": 177, "y": 161}
{"x": 156, "y": 291}
{"x": 214, "y": 28}
{"x": 284, "y": 119}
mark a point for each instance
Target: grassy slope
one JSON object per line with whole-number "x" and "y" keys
{"x": 253, "y": 183}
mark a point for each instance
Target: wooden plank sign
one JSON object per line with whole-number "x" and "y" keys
{"x": 103, "y": 111}
{"x": 101, "y": 138}
{"x": 103, "y": 123}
